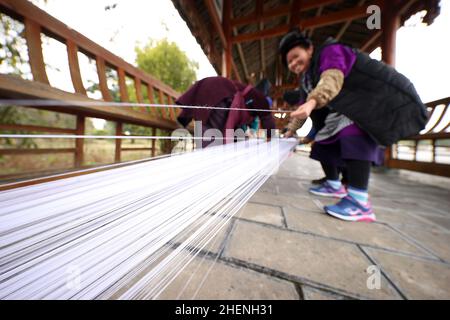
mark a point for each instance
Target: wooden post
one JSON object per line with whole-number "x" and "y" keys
{"x": 79, "y": 142}
{"x": 390, "y": 22}
{"x": 122, "y": 86}
{"x": 34, "y": 44}
{"x": 138, "y": 88}
{"x": 151, "y": 98}
{"x": 433, "y": 150}
{"x": 74, "y": 66}
{"x": 102, "y": 82}
{"x": 227, "y": 52}
{"x": 162, "y": 102}
{"x": 173, "y": 111}
{"x": 153, "y": 142}
{"x": 118, "y": 142}
{"x": 139, "y": 95}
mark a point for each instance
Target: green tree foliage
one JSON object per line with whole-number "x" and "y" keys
{"x": 167, "y": 62}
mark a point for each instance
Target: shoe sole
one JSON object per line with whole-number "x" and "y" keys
{"x": 366, "y": 218}
{"x": 330, "y": 195}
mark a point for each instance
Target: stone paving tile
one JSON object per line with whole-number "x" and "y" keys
{"x": 417, "y": 279}
{"x": 262, "y": 213}
{"x": 315, "y": 294}
{"x": 331, "y": 263}
{"x": 387, "y": 212}
{"x": 290, "y": 186}
{"x": 285, "y": 200}
{"x": 372, "y": 234}
{"x": 436, "y": 241}
{"x": 415, "y": 205}
{"x": 399, "y": 217}
{"x": 227, "y": 282}
{"x": 270, "y": 186}
{"x": 215, "y": 243}
{"x": 443, "y": 222}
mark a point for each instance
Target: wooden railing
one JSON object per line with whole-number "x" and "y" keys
{"x": 37, "y": 22}
{"x": 428, "y": 152}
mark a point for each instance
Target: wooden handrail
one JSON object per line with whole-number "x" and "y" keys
{"x": 36, "y": 17}
{"x": 432, "y": 167}
{"x": 37, "y": 22}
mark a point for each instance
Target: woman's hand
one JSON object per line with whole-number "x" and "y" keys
{"x": 304, "y": 110}
{"x": 288, "y": 134}
{"x": 305, "y": 140}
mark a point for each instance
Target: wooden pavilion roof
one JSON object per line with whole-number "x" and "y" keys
{"x": 256, "y": 27}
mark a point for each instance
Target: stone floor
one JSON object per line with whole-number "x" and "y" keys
{"x": 282, "y": 245}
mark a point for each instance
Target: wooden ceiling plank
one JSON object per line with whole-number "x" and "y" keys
{"x": 318, "y": 13}
{"x": 316, "y": 22}
{"x": 347, "y": 24}
{"x": 282, "y": 10}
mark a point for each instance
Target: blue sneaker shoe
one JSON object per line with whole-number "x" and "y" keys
{"x": 350, "y": 209}
{"x": 326, "y": 190}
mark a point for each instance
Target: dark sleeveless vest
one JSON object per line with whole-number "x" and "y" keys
{"x": 380, "y": 100}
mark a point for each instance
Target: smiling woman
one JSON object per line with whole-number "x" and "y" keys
{"x": 356, "y": 104}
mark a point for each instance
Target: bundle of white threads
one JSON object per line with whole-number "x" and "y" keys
{"x": 88, "y": 237}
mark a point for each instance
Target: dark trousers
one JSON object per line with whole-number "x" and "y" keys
{"x": 358, "y": 172}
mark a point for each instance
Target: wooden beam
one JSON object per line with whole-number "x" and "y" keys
{"x": 316, "y": 22}
{"x": 74, "y": 67}
{"x": 122, "y": 86}
{"x": 390, "y": 22}
{"x": 335, "y": 17}
{"x": 138, "y": 88}
{"x": 205, "y": 36}
{"x": 103, "y": 84}
{"x": 15, "y": 87}
{"x": 34, "y": 44}
{"x": 268, "y": 33}
{"x": 318, "y": 13}
{"x": 171, "y": 110}
{"x": 282, "y": 10}
{"x": 295, "y": 13}
{"x": 21, "y": 127}
{"x": 259, "y": 11}
{"x": 241, "y": 56}
{"x": 35, "y": 151}
{"x": 175, "y": 111}
{"x": 235, "y": 71}
{"x": 79, "y": 143}
{"x": 119, "y": 132}
{"x": 226, "y": 30}
{"x": 153, "y": 142}
{"x": 369, "y": 43}
{"x": 212, "y": 12}
{"x": 439, "y": 169}
{"x": 151, "y": 98}
{"x": 373, "y": 41}
{"x": 347, "y": 24}
{"x": 161, "y": 99}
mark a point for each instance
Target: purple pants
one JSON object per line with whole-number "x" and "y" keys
{"x": 351, "y": 143}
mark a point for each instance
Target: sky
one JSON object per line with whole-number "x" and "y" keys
{"x": 422, "y": 52}
{"x": 131, "y": 22}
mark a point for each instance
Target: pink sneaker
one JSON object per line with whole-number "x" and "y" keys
{"x": 326, "y": 190}
{"x": 350, "y": 209}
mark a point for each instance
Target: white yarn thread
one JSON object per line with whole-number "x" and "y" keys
{"x": 108, "y": 227}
